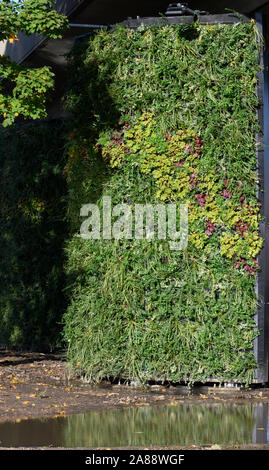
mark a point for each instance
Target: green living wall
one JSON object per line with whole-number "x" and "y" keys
{"x": 165, "y": 115}
{"x": 32, "y": 232}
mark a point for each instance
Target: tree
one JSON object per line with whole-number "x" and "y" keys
{"x": 23, "y": 91}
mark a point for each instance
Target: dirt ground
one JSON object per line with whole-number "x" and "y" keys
{"x": 35, "y": 385}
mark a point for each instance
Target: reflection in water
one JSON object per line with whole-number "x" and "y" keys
{"x": 144, "y": 426}
{"x": 162, "y": 426}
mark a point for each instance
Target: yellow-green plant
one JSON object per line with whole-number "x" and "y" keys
{"x": 175, "y": 161}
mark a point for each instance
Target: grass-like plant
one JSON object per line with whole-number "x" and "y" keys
{"x": 165, "y": 114}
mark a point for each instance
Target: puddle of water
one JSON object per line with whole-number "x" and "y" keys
{"x": 144, "y": 426}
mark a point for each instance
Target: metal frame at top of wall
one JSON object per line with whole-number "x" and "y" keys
{"x": 228, "y": 18}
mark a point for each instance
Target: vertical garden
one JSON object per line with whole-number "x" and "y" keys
{"x": 165, "y": 114}
{"x": 162, "y": 115}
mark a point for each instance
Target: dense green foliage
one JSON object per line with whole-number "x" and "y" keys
{"x": 33, "y": 228}
{"x": 143, "y": 99}
{"x": 24, "y": 91}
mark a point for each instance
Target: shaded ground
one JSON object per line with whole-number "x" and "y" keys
{"x": 34, "y": 385}
{"x": 37, "y": 385}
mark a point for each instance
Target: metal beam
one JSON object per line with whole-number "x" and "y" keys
{"x": 261, "y": 344}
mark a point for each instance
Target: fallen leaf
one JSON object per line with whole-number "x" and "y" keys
{"x": 141, "y": 404}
